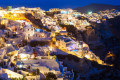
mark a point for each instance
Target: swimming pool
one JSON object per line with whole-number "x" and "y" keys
{"x": 75, "y": 50}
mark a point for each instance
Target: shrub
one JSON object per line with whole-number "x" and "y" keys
{"x": 51, "y": 76}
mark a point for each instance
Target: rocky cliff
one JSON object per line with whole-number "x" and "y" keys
{"x": 103, "y": 37}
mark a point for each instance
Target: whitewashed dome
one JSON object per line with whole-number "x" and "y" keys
{"x": 28, "y": 27}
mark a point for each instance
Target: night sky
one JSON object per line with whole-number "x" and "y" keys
{"x": 47, "y": 4}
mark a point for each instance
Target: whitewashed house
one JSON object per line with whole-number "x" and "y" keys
{"x": 28, "y": 31}
{"x": 25, "y": 53}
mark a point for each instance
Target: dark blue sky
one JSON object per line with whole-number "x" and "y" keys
{"x": 47, "y": 4}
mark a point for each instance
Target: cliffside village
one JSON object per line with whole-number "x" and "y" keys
{"x": 21, "y": 56}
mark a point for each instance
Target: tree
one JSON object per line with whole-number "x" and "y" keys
{"x": 19, "y": 78}
{"x": 14, "y": 35}
{"x": 23, "y": 78}
{"x": 14, "y": 78}
{"x": 12, "y": 65}
{"x": 10, "y": 13}
{"x": 15, "y": 69}
{"x": 38, "y": 71}
{"x": 51, "y": 76}
{"x": 1, "y": 64}
{"x": 24, "y": 42}
{"x": 34, "y": 73}
{"x": 2, "y": 26}
{"x": 9, "y": 8}
{"x": 54, "y": 57}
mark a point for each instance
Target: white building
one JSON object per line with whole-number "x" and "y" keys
{"x": 25, "y": 53}
{"x": 10, "y": 74}
{"x": 44, "y": 65}
{"x": 28, "y": 31}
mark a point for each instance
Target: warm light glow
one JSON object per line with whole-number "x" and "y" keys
{"x": 20, "y": 66}
{"x": 50, "y": 48}
{"x": 23, "y": 56}
{"x": 85, "y": 45}
{"x": 12, "y": 74}
{"x": 86, "y": 56}
{"x": 15, "y": 15}
{"x": 8, "y": 44}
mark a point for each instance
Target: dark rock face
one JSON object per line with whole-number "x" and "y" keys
{"x": 36, "y": 22}
{"x": 103, "y": 37}
{"x": 74, "y": 31}
{"x": 108, "y": 74}
{"x": 107, "y": 37}
{"x": 113, "y": 44}
{"x": 114, "y": 25}
{"x": 90, "y": 34}
{"x": 33, "y": 20}
{"x": 78, "y": 65}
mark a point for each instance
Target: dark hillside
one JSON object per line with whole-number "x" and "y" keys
{"x": 96, "y": 7}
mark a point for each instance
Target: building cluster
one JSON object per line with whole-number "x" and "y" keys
{"x": 22, "y": 56}
{"x": 71, "y": 17}
{"x": 102, "y": 15}
{"x": 20, "y": 60}
{"x": 80, "y": 20}
{"x": 50, "y": 23}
